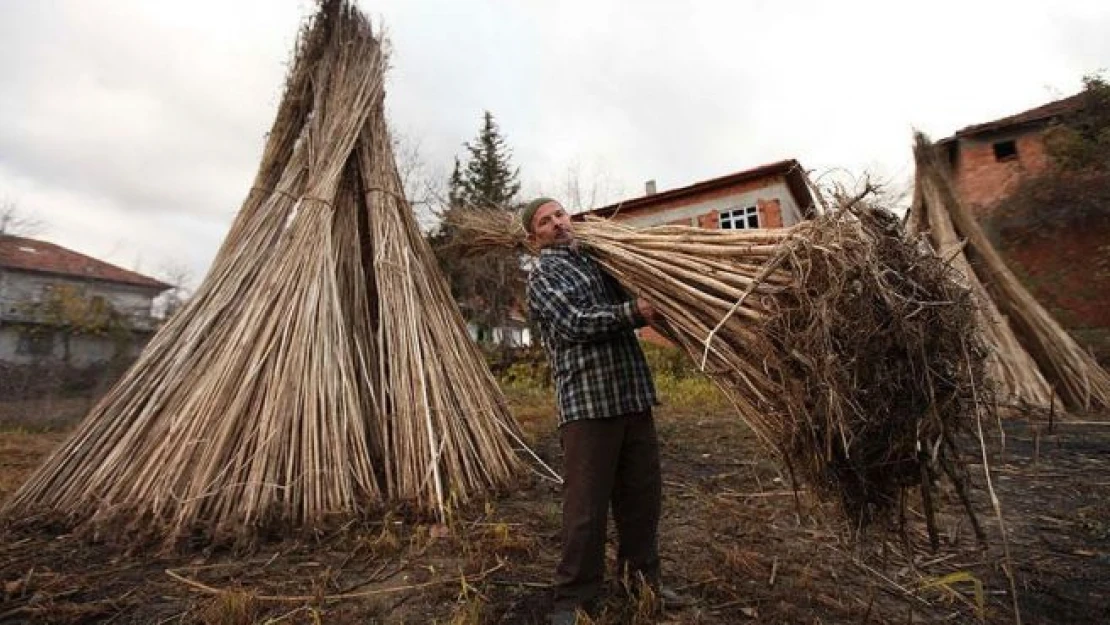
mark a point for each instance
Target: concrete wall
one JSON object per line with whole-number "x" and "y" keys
{"x": 19, "y": 345}
{"x": 9, "y": 346}
{"x": 20, "y": 287}
{"x": 22, "y": 342}
{"x": 512, "y": 336}
{"x": 5, "y": 301}
{"x": 508, "y": 335}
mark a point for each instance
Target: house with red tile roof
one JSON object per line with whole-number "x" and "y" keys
{"x": 770, "y": 196}
{"x": 35, "y": 277}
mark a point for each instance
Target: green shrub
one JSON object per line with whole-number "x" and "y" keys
{"x": 695, "y": 392}
{"x": 670, "y": 361}
{"x": 529, "y": 369}
{"x": 679, "y": 383}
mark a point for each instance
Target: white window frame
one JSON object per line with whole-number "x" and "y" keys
{"x": 739, "y": 218}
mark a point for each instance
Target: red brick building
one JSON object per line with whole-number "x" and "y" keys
{"x": 770, "y": 196}
{"x": 1067, "y": 269}
{"x": 987, "y": 160}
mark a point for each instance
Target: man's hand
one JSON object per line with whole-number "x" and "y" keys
{"x": 647, "y": 312}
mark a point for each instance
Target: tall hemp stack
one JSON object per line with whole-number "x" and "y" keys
{"x": 849, "y": 350}
{"x": 1032, "y": 357}
{"x": 321, "y": 371}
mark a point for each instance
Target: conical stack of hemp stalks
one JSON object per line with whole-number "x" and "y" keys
{"x": 1032, "y": 358}
{"x": 322, "y": 369}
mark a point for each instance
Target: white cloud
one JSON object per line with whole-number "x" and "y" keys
{"x": 134, "y": 127}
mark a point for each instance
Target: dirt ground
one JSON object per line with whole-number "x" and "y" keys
{"x": 734, "y": 538}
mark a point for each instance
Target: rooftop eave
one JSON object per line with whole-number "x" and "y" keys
{"x": 155, "y": 286}
{"x": 790, "y": 170}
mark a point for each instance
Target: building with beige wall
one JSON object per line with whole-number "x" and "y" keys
{"x": 770, "y": 196}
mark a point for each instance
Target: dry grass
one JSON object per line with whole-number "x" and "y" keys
{"x": 48, "y": 413}
{"x": 731, "y": 538}
{"x": 22, "y": 451}
{"x": 230, "y": 608}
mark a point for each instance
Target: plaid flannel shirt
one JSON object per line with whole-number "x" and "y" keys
{"x": 588, "y": 328}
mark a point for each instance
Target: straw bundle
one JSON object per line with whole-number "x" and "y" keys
{"x": 848, "y": 350}
{"x": 1031, "y": 357}
{"x": 322, "y": 368}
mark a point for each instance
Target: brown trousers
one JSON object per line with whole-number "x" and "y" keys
{"x": 608, "y": 461}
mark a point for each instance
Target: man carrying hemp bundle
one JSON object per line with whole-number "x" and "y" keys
{"x": 605, "y": 396}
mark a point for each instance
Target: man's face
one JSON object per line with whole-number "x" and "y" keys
{"x": 551, "y": 226}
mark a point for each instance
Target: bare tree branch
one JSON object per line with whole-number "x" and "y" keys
{"x": 586, "y": 188}
{"x": 14, "y": 222}
{"x": 425, "y": 187}
{"x": 180, "y": 277}
{"x": 842, "y": 187}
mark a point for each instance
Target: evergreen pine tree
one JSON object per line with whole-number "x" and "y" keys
{"x": 489, "y": 179}
{"x": 455, "y": 187}
{"x": 486, "y": 287}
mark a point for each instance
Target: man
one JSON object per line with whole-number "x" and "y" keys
{"x": 605, "y": 396}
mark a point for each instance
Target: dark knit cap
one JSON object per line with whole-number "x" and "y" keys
{"x": 529, "y": 211}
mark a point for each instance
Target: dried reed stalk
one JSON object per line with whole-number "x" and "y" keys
{"x": 321, "y": 370}
{"x": 840, "y": 343}
{"x": 1032, "y": 355}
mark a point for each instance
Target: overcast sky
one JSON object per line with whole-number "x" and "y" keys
{"x": 132, "y": 128}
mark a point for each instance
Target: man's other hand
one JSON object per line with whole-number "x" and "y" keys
{"x": 647, "y": 312}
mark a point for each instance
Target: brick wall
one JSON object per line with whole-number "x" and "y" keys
{"x": 770, "y": 213}
{"x": 1072, "y": 280}
{"x": 1066, "y": 270}
{"x": 651, "y": 336}
{"x": 983, "y": 180}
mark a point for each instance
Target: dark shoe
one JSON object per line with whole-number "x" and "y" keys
{"x": 664, "y": 597}
{"x": 673, "y": 600}
{"x": 563, "y": 617}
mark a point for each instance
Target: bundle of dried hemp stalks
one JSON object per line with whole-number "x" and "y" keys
{"x": 852, "y": 352}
